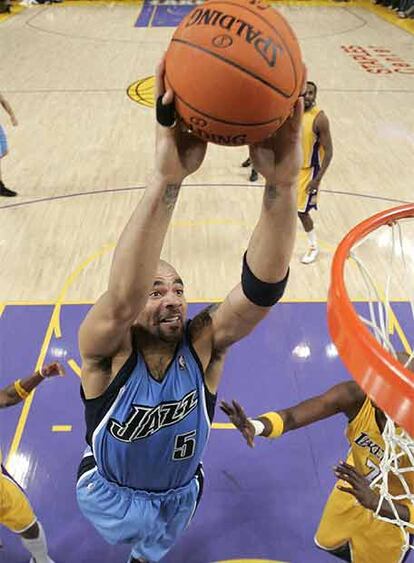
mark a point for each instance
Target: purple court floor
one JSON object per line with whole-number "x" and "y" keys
{"x": 263, "y": 503}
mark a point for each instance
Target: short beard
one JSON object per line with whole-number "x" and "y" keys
{"x": 171, "y": 338}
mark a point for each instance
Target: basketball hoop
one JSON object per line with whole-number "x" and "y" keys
{"x": 365, "y": 328}
{"x": 374, "y": 366}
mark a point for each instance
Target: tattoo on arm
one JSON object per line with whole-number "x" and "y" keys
{"x": 271, "y": 193}
{"x": 171, "y": 195}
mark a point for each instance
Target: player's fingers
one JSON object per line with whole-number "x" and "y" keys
{"x": 226, "y": 408}
{"x": 345, "y": 476}
{"x": 305, "y": 79}
{"x": 239, "y": 410}
{"x": 248, "y": 437}
{"x": 159, "y": 78}
{"x": 348, "y": 469}
{"x": 347, "y": 490}
{"x": 168, "y": 97}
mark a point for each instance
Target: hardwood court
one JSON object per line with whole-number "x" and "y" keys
{"x": 80, "y": 159}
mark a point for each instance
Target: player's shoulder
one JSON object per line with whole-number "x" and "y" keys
{"x": 352, "y": 398}
{"x": 201, "y": 334}
{"x": 202, "y": 322}
{"x": 321, "y": 120}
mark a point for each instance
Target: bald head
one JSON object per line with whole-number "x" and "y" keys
{"x": 166, "y": 267}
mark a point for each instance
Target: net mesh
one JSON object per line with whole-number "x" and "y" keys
{"x": 380, "y": 273}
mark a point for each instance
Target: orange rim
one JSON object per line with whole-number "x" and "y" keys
{"x": 387, "y": 382}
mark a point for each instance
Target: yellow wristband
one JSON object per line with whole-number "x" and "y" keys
{"x": 277, "y": 423}
{"x": 20, "y": 390}
{"x": 411, "y": 512}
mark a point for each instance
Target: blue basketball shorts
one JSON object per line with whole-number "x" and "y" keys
{"x": 151, "y": 522}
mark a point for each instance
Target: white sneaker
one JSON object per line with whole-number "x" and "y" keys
{"x": 310, "y": 255}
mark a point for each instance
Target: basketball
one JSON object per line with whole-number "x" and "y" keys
{"x": 236, "y": 70}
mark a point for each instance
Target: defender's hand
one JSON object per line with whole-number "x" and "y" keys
{"x": 313, "y": 186}
{"x": 52, "y": 370}
{"x": 360, "y": 488}
{"x": 238, "y": 417}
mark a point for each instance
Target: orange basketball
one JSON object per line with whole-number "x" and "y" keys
{"x": 236, "y": 69}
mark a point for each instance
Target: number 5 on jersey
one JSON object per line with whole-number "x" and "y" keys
{"x": 184, "y": 445}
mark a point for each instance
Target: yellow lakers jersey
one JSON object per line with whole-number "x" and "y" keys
{"x": 367, "y": 448}
{"x": 312, "y": 151}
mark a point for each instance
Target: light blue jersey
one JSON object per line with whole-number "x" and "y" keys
{"x": 154, "y": 433}
{"x": 140, "y": 479}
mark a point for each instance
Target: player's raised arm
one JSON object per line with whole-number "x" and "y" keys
{"x": 266, "y": 262}
{"x": 136, "y": 256}
{"x": 346, "y": 398}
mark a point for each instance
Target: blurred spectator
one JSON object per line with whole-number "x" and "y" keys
{"x": 404, "y": 8}
{"x": 4, "y": 6}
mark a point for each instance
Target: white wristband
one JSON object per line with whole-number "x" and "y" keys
{"x": 258, "y": 426}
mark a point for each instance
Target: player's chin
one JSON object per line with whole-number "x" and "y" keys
{"x": 172, "y": 333}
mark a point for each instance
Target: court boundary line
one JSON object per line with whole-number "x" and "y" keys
{"x": 202, "y": 185}
{"x": 53, "y": 329}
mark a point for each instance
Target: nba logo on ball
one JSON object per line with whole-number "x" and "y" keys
{"x": 236, "y": 70}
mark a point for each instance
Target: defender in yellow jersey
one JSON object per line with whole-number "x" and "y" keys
{"x": 317, "y": 155}
{"x": 16, "y": 512}
{"x": 348, "y": 528}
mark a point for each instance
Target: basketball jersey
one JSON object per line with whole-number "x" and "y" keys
{"x": 343, "y": 519}
{"x": 312, "y": 151}
{"x": 148, "y": 434}
{"x": 367, "y": 448}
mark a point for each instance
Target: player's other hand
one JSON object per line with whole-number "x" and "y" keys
{"x": 14, "y": 121}
{"x": 313, "y": 187}
{"x": 238, "y": 417}
{"x": 359, "y": 485}
{"x": 279, "y": 158}
{"x": 178, "y": 153}
{"x": 52, "y": 370}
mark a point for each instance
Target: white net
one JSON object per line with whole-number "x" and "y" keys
{"x": 380, "y": 275}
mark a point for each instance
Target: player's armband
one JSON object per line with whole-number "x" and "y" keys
{"x": 263, "y": 294}
{"x": 165, "y": 113}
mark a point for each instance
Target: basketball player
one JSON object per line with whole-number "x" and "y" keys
{"x": 4, "y": 149}
{"x": 149, "y": 377}
{"x": 317, "y": 155}
{"x": 317, "y": 147}
{"x": 348, "y": 528}
{"x": 15, "y": 510}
